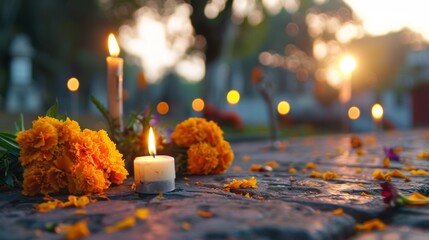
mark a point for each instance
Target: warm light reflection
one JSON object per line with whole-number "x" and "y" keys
{"x": 333, "y": 77}
{"x": 233, "y": 97}
{"x": 198, "y": 104}
{"x": 151, "y": 142}
{"x": 113, "y": 46}
{"x": 377, "y": 111}
{"x": 347, "y": 65}
{"x": 354, "y": 113}
{"x": 73, "y": 84}
{"x": 283, "y": 107}
{"x": 162, "y": 108}
{"x": 383, "y": 16}
{"x": 163, "y": 39}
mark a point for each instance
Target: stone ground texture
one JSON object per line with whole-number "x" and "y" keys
{"x": 277, "y": 209}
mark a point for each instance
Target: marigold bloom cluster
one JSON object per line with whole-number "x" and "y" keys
{"x": 208, "y": 152}
{"x": 59, "y": 157}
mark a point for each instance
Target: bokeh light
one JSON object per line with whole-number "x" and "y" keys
{"x": 354, "y": 113}
{"x": 283, "y": 107}
{"x": 198, "y": 105}
{"x": 73, "y": 84}
{"x": 233, "y": 97}
{"x": 377, "y": 111}
{"x": 162, "y": 108}
{"x": 347, "y": 64}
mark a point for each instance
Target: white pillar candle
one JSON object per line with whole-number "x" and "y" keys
{"x": 115, "y": 81}
{"x": 155, "y": 173}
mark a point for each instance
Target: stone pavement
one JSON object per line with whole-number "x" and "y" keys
{"x": 280, "y": 208}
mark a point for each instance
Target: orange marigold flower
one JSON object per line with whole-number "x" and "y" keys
{"x": 358, "y": 170}
{"x": 202, "y": 158}
{"x": 292, "y": 170}
{"x": 373, "y": 224}
{"x": 38, "y": 143}
{"x": 57, "y": 156}
{"x": 196, "y": 130}
{"x": 225, "y": 156}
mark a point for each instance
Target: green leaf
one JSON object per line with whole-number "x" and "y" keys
{"x": 101, "y": 108}
{"x": 53, "y": 112}
{"x": 19, "y": 126}
{"x": 8, "y": 142}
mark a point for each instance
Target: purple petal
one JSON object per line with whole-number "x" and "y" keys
{"x": 390, "y": 153}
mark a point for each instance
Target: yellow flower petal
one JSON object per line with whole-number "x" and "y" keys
{"x": 272, "y": 164}
{"x": 142, "y": 213}
{"x": 419, "y": 172}
{"x": 417, "y": 196}
{"x": 311, "y": 165}
{"x": 123, "y": 224}
{"x": 338, "y": 211}
{"x": 373, "y": 224}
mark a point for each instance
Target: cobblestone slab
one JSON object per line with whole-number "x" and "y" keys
{"x": 280, "y": 208}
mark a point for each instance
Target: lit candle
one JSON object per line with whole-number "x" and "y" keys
{"x": 155, "y": 173}
{"x": 114, "y": 81}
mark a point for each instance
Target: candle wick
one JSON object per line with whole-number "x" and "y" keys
{"x": 153, "y": 155}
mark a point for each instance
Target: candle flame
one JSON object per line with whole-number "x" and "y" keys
{"x": 151, "y": 142}
{"x": 113, "y": 46}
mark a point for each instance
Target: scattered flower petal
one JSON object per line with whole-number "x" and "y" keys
{"x": 373, "y": 224}
{"x": 237, "y": 169}
{"x": 358, "y": 170}
{"x": 255, "y": 168}
{"x": 390, "y": 153}
{"x": 310, "y": 165}
{"x": 419, "y": 172}
{"x": 272, "y": 164}
{"x": 245, "y": 158}
{"x": 79, "y": 212}
{"x": 205, "y": 214}
{"x": 360, "y": 152}
{"x": 328, "y": 175}
{"x": 186, "y": 226}
{"x": 142, "y": 213}
{"x": 386, "y": 163}
{"x": 356, "y": 142}
{"x": 389, "y": 194}
{"x": 338, "y": 212}
{"x": 123, "y": 224}
{"x": 73, "y": 231}
{"x": 291, "y": 179}
{"x": 365, "y": 194}
{"x": 243, "y": 183}
{"x": 424, "y": 154}
{"x": 418, "y": 199}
